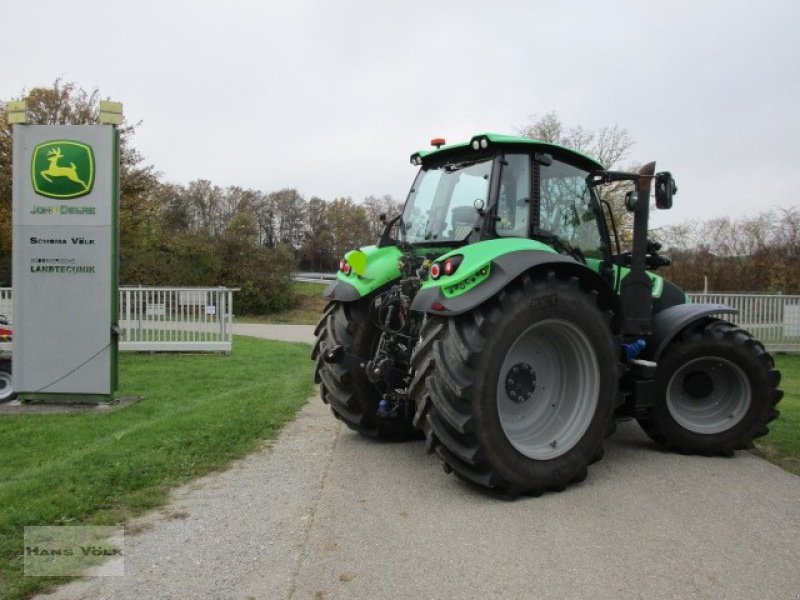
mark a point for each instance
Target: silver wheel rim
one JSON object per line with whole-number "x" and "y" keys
{"x": 708, "y": 395}
{"x": 6, "y": 389}
{"x": 546, "y": 407}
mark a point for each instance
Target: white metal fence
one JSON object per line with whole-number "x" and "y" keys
{"x": 773, "y": 319}
{"x": 315, "y": 277}
{"x": 162, "y": 319}
{"x": 201, "y": 319}
{"x": 175, "y": 319}
{"x": 6, "y": 306}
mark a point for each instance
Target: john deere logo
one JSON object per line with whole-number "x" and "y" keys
{"x": 62, "y": 169}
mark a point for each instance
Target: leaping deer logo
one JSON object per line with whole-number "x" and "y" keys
{"x": 54, "y": 170}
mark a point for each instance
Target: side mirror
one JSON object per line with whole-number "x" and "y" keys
{"x": 631, "y": 199}
{"x": 665, "y": 189}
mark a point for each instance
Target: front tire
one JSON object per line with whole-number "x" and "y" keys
{"x": 517, "y": 395}
{"x": 716, "y": 391}
{"x": 353, "y": 398}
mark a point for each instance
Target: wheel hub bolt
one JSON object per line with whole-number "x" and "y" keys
{"x": 520, "y": 382}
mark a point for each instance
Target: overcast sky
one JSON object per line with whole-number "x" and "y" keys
{"x": 333, "y": 97}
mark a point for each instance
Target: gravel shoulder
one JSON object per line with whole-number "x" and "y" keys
{"x": 241, "y": 533}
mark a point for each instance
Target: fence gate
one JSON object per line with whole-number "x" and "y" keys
{"x": 175, "y": 319}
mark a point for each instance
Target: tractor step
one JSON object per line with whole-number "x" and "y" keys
{"x": 638, "y": 385}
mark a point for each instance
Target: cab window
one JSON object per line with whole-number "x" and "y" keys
{"x": 567, "y": 210}
{"x": 513, "y": 202}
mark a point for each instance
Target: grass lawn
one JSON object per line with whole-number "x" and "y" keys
{"x": 308, "y": 306}
{"x": 782, "y": 445}
{"x": 198, "y": 413}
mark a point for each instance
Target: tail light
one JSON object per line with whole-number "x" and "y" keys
{"x": 446, "y": 267}
{"x": 345, "y": 267}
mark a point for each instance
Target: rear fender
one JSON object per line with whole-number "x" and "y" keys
{"x": 380, "y": 269}
{"x": 668, "y": 323}
{"x": 437, "y": 298}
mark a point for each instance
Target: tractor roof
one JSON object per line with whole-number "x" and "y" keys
{"x": 509, "y": 141}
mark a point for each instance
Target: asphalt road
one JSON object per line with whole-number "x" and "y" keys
{"x": 325, "y": 513}
{"x": 283, "y": 333}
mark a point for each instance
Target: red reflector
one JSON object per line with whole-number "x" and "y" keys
{"x": 437, "y": 306}
{"x": 438, "y": 142}
{"x": 436, "y": 270}
{"x": 449, "y": 266}
{"x": 347, "y": 268}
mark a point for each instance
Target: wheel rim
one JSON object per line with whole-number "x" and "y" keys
{"x": 708, "y": 395}
{"x": 548, "y": 403}
{"x": 6, "y": 389}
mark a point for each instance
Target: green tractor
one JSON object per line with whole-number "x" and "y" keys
{"x": 498, "y": 317}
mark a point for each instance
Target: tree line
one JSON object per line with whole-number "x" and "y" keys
{"x": 746, "y": 254}
{"x": 206, "y": 235}
{"x": 315, "y": 231}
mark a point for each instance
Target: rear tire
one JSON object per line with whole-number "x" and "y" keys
{"x": 6, "y": 386}
{"x": 517, "y": 395}
{"x": 716, "y": 390}
{"x": 352, "y": 397}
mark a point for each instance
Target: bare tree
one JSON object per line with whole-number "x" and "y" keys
{"x": 374, "y": 206}
{"x": 609, "y": 145}
{"x": 288, "y": 209}
{"x": 348, "y": 226}
{"x": 317, "y": 253}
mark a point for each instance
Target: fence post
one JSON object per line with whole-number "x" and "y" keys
{"x": 220, "y": 305}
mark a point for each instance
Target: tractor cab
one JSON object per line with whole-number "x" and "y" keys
{"x": 500, "y": 187}
{"x": 506, "y": 187}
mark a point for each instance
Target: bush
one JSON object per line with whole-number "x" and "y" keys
{"x": 263, "y": 275}
{"x": 265, "y": 280}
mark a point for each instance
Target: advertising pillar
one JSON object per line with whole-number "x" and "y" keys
{"x": 66, "y": 190}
